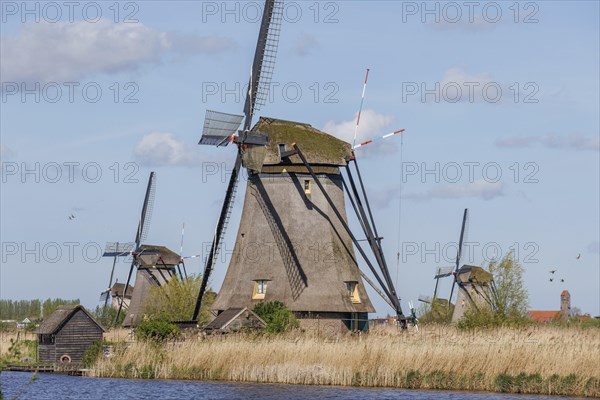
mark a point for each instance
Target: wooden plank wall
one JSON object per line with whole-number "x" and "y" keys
{"x": 73, "y": 339}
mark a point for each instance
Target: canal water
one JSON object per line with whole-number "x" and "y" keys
{"x": 19, "y": 385}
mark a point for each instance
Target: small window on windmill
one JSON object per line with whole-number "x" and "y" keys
{"x": 352, "y": 289}
{"x": 307, "y": 187}
{"x": 260, "y": 288}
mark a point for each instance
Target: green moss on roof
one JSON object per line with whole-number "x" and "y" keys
{"x": 318, "y": 147}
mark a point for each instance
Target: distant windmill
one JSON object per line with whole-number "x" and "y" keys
{"x": 156, "y": 265}
{"x": 183, "y": 258}
{"x": 114, "y": 250}
{"x": 443, "y": 272}
{"x": 141, "y": 234}
{"x": 294, "y": 196}
{"x": 476, "y": 287}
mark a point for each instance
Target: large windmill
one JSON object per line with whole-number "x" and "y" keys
{"x": 293, "y": 243}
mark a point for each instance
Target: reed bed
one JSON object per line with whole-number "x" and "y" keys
{"x": 7, "y": 339}
{"x": 118, "y": 335}
{"x": 532, "y": 360}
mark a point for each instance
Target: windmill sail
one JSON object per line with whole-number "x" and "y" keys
{"x": 219, "y": 233}
{"x": 425, "y": 299}
{"x": 265, "y": 56}
{"x": 143, "y": 226}
{"x": 459, "y": 252}
{"x": 219, "y": 127}
{"x": 104, "y": 297}
{"x": 116, "y": 249}
{"x": 443, "y": 272}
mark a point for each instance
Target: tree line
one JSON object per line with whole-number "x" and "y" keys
{"x": 32, "y": 309}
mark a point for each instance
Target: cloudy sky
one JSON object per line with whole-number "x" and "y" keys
{"x": 499, "y": 102}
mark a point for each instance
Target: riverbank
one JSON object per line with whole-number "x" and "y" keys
{"x": 536, "y": 360}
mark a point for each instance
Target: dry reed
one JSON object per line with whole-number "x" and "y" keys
{"x": 7, "y": 338}
{"x": 532, "y": 360}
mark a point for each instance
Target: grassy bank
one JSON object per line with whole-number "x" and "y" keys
{"x": 558, "y": 361}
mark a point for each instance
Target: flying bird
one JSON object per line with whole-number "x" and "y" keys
{"x": 552, "y": 271}
{"x": 551, "y": 279}
{"x": 71, "y": 217}
{"x": 562, "y": 280}
{"x": 578, "y": 256}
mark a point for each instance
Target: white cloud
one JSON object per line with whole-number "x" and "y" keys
{"x": 61, "y": 52}
{"x": 465, "y": 87}
{"x": 573, "y": 141}
{"x": 194, "y": 44}
{"x": 164, "y": 149}
{"x": 478, "y": 189}
{"x": 304, "y": 44}
{"x": 372, "y": 125}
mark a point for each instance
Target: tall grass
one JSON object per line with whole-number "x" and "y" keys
{"x": 531, "y": 360}
{"x": 8, "y": 338}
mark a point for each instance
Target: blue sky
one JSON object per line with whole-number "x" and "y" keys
{"x": 536, "y": 124}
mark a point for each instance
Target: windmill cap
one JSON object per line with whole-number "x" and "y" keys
{"x": 318, "y": 147}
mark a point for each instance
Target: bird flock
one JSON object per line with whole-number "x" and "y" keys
{"x": 552, "y": 272}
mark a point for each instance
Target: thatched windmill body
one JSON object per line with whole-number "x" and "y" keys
{"x": 476, "y": 289}
{"x": 293, "y": 244}
{"x": 290, "y": 245}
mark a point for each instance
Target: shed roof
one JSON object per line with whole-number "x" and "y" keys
{"x": 318, "y": 147}
{"x": 55, "y": 321}
{"x": 227, "y": 316}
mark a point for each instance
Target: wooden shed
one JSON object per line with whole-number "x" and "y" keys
{"x": 235, "y": 319}
{"x": 66, "y": 334}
